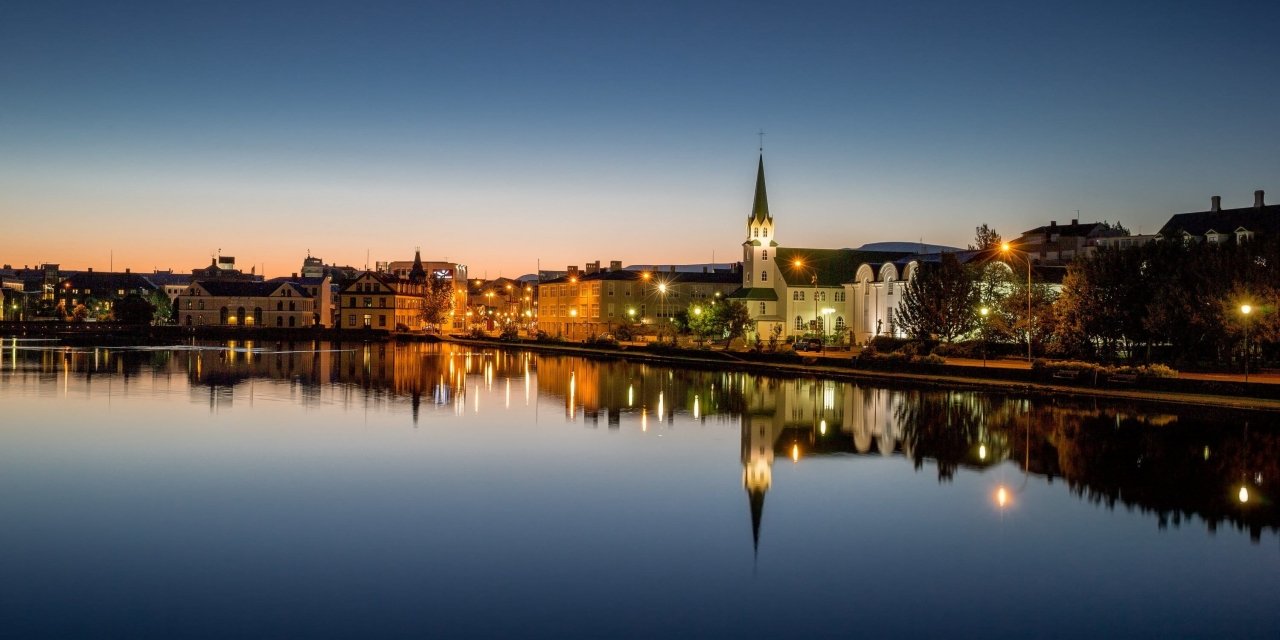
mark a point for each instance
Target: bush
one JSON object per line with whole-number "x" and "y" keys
{"x": 606, "y": 341}
{"x": 1149, "y": 371}
{"x": 478, "y": 333}
{"x": 543, "y": 336}
{"x": 510, "y": 333}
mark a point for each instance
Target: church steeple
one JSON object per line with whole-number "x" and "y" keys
{"x": 417, "y": 274}
{"x": 760, "y": 207}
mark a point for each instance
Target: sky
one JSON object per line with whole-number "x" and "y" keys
{"x": 508, "y": 135}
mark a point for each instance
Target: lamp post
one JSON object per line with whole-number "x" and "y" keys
{"x": 1245, "y": 310}
{"x": 1009, "y": 251}
{"x": 799, "y": 264}
{"x": 983, "y": 312}
{"x": 662, "y": 300}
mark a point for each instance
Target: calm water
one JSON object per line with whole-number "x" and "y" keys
{"x": 433, "y": 491}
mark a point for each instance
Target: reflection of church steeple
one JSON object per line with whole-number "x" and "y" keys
{"x": 757, "y": 468}
{"x": 756, "y": 498}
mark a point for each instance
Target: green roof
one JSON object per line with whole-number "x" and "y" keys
{"x": 754, "y": 293}
{"x": 834, "y": 266}
{"x": 760, "y": 207}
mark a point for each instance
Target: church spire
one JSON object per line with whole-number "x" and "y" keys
{"x": 417, "y": 274}
{"x": 760, "y": 207}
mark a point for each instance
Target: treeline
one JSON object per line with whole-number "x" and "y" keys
{"x": 1173, "y": 302}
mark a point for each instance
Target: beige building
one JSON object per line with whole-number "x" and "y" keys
{"x": 246, "y": 304}
{"x": 597, "y": 301}
{"x": 382, "y": 302}
{"x": 452, "y": 272}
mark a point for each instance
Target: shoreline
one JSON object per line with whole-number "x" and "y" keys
{"x": 953, "y": 377}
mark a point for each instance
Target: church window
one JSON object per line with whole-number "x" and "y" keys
{"x": 764, "y": 255}
{"x": 764, "y": 276}
{"x": 839, "y": 323}
{"x": 799, "y": 323}
{"x": 890, "y": 287}
{"x": 762, "y": 308}
{"x": 755, "y": 233}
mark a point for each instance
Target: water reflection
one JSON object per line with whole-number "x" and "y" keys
{"x": 1177, "y": 465}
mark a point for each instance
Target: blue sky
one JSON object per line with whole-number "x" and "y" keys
{"x": 502, "y": 133}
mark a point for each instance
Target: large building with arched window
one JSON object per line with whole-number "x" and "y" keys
{"x": 794, "y": 292}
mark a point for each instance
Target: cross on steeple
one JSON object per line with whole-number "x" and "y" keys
{"x": 761, "y": 134}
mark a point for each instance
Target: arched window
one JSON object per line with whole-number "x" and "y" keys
{"x": 222, "y": 316}
{"x": 762, "y": 308}
{"x": 257, "y": 315}
{"x": 279, "y": 305}
{"x": 839, "y": 323}
{"x": 764, "y": 276}
{"x": 188, "y": 320}
{"x": 799, "y": 323}
{"x": 764, "y": 255}
{"x": 818, "y": 323}
{"x": 200, "y": 305}
{"x": 291, "y": 320}
{"x": 755, "y": 233}
{"x": 240, "y": 316}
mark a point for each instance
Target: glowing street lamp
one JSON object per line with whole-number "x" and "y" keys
{"x": 983, "y": 312}
{"x": 799, "y": 264}
{"x": 1245, "y": 310}
{"x": 1008, "y": 250}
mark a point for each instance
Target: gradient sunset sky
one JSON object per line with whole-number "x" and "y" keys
{"x": 498, "y": 134}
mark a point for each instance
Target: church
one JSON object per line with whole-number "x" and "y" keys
{"x": 841, "y": 295}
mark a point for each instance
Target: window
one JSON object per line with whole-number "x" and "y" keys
{"x": 291, "y": 320}
{"x": 890, "y": 288}
{"x": 351, "y": 319}
{"x": 762, "y": 308}
{"x": 764, "y": 276}
{"x": 351, "y": 302}
{"x": 764, "y": 255}
{"x": 797, "y": 295}
{"x": 368, "y": 303}
{"x": 382, "y": 302}
{"x": 279, "y": 305}
{"x": 200, "y": 305}
{"x": 279, "y": 321}
{"x": 839, "y": 296}
{"x": 839, "y": 323}
{"x": 799, "y": 323}
{"x": 292, "y": 306}
{"x": 755, "y": 233}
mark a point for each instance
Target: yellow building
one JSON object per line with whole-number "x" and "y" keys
{"x": 598, "y": 301}
{"x": 382, "y": 302}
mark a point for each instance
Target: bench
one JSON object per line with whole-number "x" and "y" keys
{"x": 1123, "y": 378}
{"x": 1067, "y": 374}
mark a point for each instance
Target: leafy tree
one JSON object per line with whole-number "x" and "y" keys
{"x": 985, "y": 238}
{"x": 701, "y": 323}
{"x": 79, "y": 313}
{"x": 730, "y": 319}
{"x": 159, "y": 300}
{"x": 939, "y": 302}
{"x": 437, "y": 301}
{"x": 134, "y": 309}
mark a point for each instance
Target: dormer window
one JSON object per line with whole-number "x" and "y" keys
{"x": 1243, "y": 234}
{"x": 1213, "y": 237}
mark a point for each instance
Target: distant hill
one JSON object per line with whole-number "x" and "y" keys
{"x": 914, "y": 247}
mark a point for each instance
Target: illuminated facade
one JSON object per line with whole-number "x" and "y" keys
{"x": 246, "y": 304}
{"x": 598, "y": 301}
{"x": 382, "y": 302}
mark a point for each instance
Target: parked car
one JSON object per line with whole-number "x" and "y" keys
{"x": 809, "y": 344}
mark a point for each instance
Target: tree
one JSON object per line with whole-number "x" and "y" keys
{"x": 701, "y": 323}
{"x": 985, "y": 238}
{"x": 939, "y": 302}
{"x": 437, "y": 301}
{"x": 730, "y": 319}
{"x": 159, "y": 300}
{"x": 134, "y": 309}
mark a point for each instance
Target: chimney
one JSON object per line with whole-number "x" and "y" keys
{"x": 704, "y": 268}
{"x": 1053, "y": 224}
{"x": 295, "y": 275}
{"x": 572, "y": 269}
{"x": 593, "y": 267}
{"x": 126, "y": 270}
{"x": 671, "y": 268}
{"x": 1075, "y": 221}
{"x": 90, "y": 269}
{"x": 1257, "y": 199}
{"x": 615, "y": 265}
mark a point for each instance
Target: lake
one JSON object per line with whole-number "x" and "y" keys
{"x": 428, "y": 490}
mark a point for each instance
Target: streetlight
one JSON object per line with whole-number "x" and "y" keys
{"x": 799, "y": 264}
{"x": 662, "y": 291}
{"x": 984, "y": 311}
{"x": 1009, "y": 250}
{"x": 1245, "y": 310}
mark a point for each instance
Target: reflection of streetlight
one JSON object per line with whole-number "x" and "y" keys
{"x": 1002, "y": 497}
{"x": 1246, "y": 310}
{"x": 1008, "y": 250}
{"x": 1244, "y": 495}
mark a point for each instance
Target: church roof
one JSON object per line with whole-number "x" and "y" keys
{"x": 754, "y": 293}
{"x": 760, "y": 206}
{"x": 834, "y": 267}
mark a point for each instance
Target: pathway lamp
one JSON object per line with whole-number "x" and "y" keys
{"x": 1246, "y": 311}
{"x": 984, "y": 312}
{"x": 1008, "y": 250}
{"x": 799, "y": 264}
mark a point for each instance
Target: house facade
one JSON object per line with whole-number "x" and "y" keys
{"x": 237, "y": 303}
{"x": 382, "y": 302}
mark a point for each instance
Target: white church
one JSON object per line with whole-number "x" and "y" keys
{"x": 832, "y": 293}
